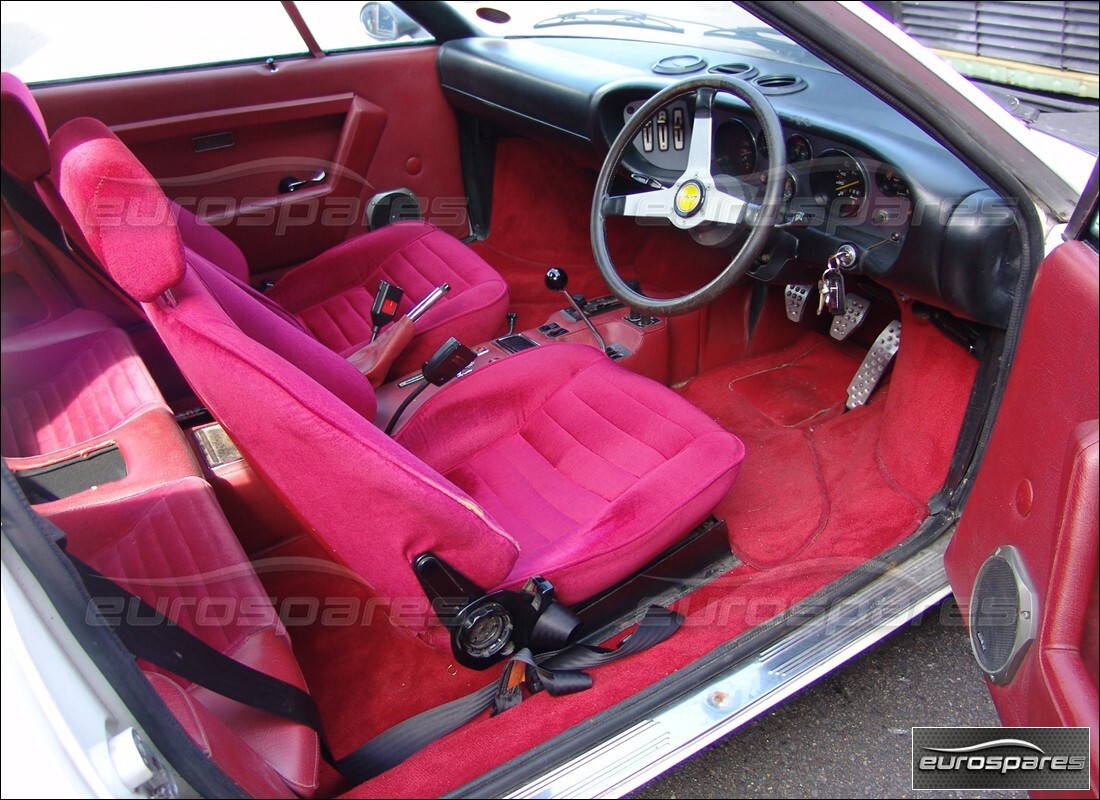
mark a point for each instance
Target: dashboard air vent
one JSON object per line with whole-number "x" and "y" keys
{"x": 740, "y": 70}
{"x": 779, "y": 84}
{"x": 679, "y": 65}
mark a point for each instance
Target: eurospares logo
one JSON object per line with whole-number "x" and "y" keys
{"x": 1001, "y": 758}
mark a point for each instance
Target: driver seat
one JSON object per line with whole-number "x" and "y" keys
{"x": 554, "y": 461}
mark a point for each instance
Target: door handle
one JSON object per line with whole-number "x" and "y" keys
{"x": 292, "y": 184}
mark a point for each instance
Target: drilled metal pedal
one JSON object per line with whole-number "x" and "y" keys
{"x": 796, "y": 296}
{"x": 854, "y": 314}
{"x": 870, "y": 372}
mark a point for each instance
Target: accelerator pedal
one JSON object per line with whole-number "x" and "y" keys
{"x": 870, "y": 372}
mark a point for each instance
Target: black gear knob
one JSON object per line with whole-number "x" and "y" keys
{"x": 556, "y": 279}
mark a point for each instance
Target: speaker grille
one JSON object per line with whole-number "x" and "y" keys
{"x": 994, "y": 613}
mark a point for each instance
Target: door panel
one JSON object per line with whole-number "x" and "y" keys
{"x": 1036, "y": 491}
{"x": 236, "y": 188}
{"x": 373, "y": 120}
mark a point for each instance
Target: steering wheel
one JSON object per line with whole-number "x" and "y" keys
{"x": 694, "y": 199}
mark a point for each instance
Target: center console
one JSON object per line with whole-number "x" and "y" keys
{"x": 636, "y": 341}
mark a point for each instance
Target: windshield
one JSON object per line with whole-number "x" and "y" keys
{"x": 716, "y": 25}
{"x": 1040, "y": 64}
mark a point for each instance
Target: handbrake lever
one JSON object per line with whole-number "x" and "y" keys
{"x": 374, "y": 359}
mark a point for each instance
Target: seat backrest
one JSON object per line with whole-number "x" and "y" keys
{"x": 24, "y": 150}
{"x": 298, "y": 412}
{"x": 25, "y": 155}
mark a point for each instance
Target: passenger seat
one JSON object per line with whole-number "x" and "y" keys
{"x": 328, "y": 297}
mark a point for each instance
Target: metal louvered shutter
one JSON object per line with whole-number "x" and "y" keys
{"x": 1060, "y": 35}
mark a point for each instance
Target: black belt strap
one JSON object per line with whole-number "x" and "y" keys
{"x": 151, "y": 636}
{"x": 31, "y": 209}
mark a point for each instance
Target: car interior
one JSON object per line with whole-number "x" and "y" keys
{"x": 715, "y": 344}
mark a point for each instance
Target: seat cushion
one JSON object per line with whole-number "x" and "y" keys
{"x": 171, "y": 546}
{"x": 593, "y": 469}
{"x": 69, "y": 381}
{"x": 332, "y": 294}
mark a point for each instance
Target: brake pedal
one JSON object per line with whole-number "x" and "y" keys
{"x": 853, "y": 316}
{"x": 870, "y": 372}
{"x": 796, "y": 295}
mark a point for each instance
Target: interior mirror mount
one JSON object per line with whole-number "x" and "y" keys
{"x": 384, "y": 22}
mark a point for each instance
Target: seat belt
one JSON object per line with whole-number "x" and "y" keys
{"x": 34, "y": 212}
{"x": 162, "y": 642}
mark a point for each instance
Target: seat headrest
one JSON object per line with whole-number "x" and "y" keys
{"x": 24, "y": 148}
{"x": 121, "y": 210}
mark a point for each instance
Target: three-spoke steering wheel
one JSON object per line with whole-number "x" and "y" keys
{"x": 695, "y": 198}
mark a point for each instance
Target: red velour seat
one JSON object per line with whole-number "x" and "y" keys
{"x": 554, "y": 461}
{"x": 330, "y": 296}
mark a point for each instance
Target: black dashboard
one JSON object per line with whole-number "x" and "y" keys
{"x": 857, "y": 172}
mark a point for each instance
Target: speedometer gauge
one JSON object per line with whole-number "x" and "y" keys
{"x": 840, "y": 182}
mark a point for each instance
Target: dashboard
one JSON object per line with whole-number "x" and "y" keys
{"x": 837, "y": 179}
{"x": 856, "y": 171}
{"x": 823, "y": 179}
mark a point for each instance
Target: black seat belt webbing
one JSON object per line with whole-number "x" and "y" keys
{"x": 31, "y": 209}
{"x": 161, "y": 642}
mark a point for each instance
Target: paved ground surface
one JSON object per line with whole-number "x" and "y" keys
{"x": 849, "y": 735}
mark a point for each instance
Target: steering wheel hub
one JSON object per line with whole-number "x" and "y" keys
{"x": 690, "y": 198}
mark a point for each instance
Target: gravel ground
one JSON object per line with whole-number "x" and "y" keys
{"x": 849, "y": 734}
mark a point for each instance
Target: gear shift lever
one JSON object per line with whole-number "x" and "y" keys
{"x": 556, "y": 281}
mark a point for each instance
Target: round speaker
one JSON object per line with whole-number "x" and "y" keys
{"x": 1003, "y": 614}
{"x": 395, "y": 205}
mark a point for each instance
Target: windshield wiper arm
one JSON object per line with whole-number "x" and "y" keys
{"x": 764, "y": 37}
{"x": 610, "y": 16}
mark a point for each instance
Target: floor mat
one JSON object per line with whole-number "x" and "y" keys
{"x": 804, "y": 453}
{"x": 811, "y": 385}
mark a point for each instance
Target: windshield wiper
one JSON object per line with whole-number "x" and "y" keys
{"x": 765, "y": 37}
{"x": 610, "y": 16}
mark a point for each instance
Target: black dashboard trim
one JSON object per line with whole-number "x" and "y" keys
{"x": 571, "y": 92}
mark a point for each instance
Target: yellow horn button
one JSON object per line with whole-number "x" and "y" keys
{"x": 689, "y": 197}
